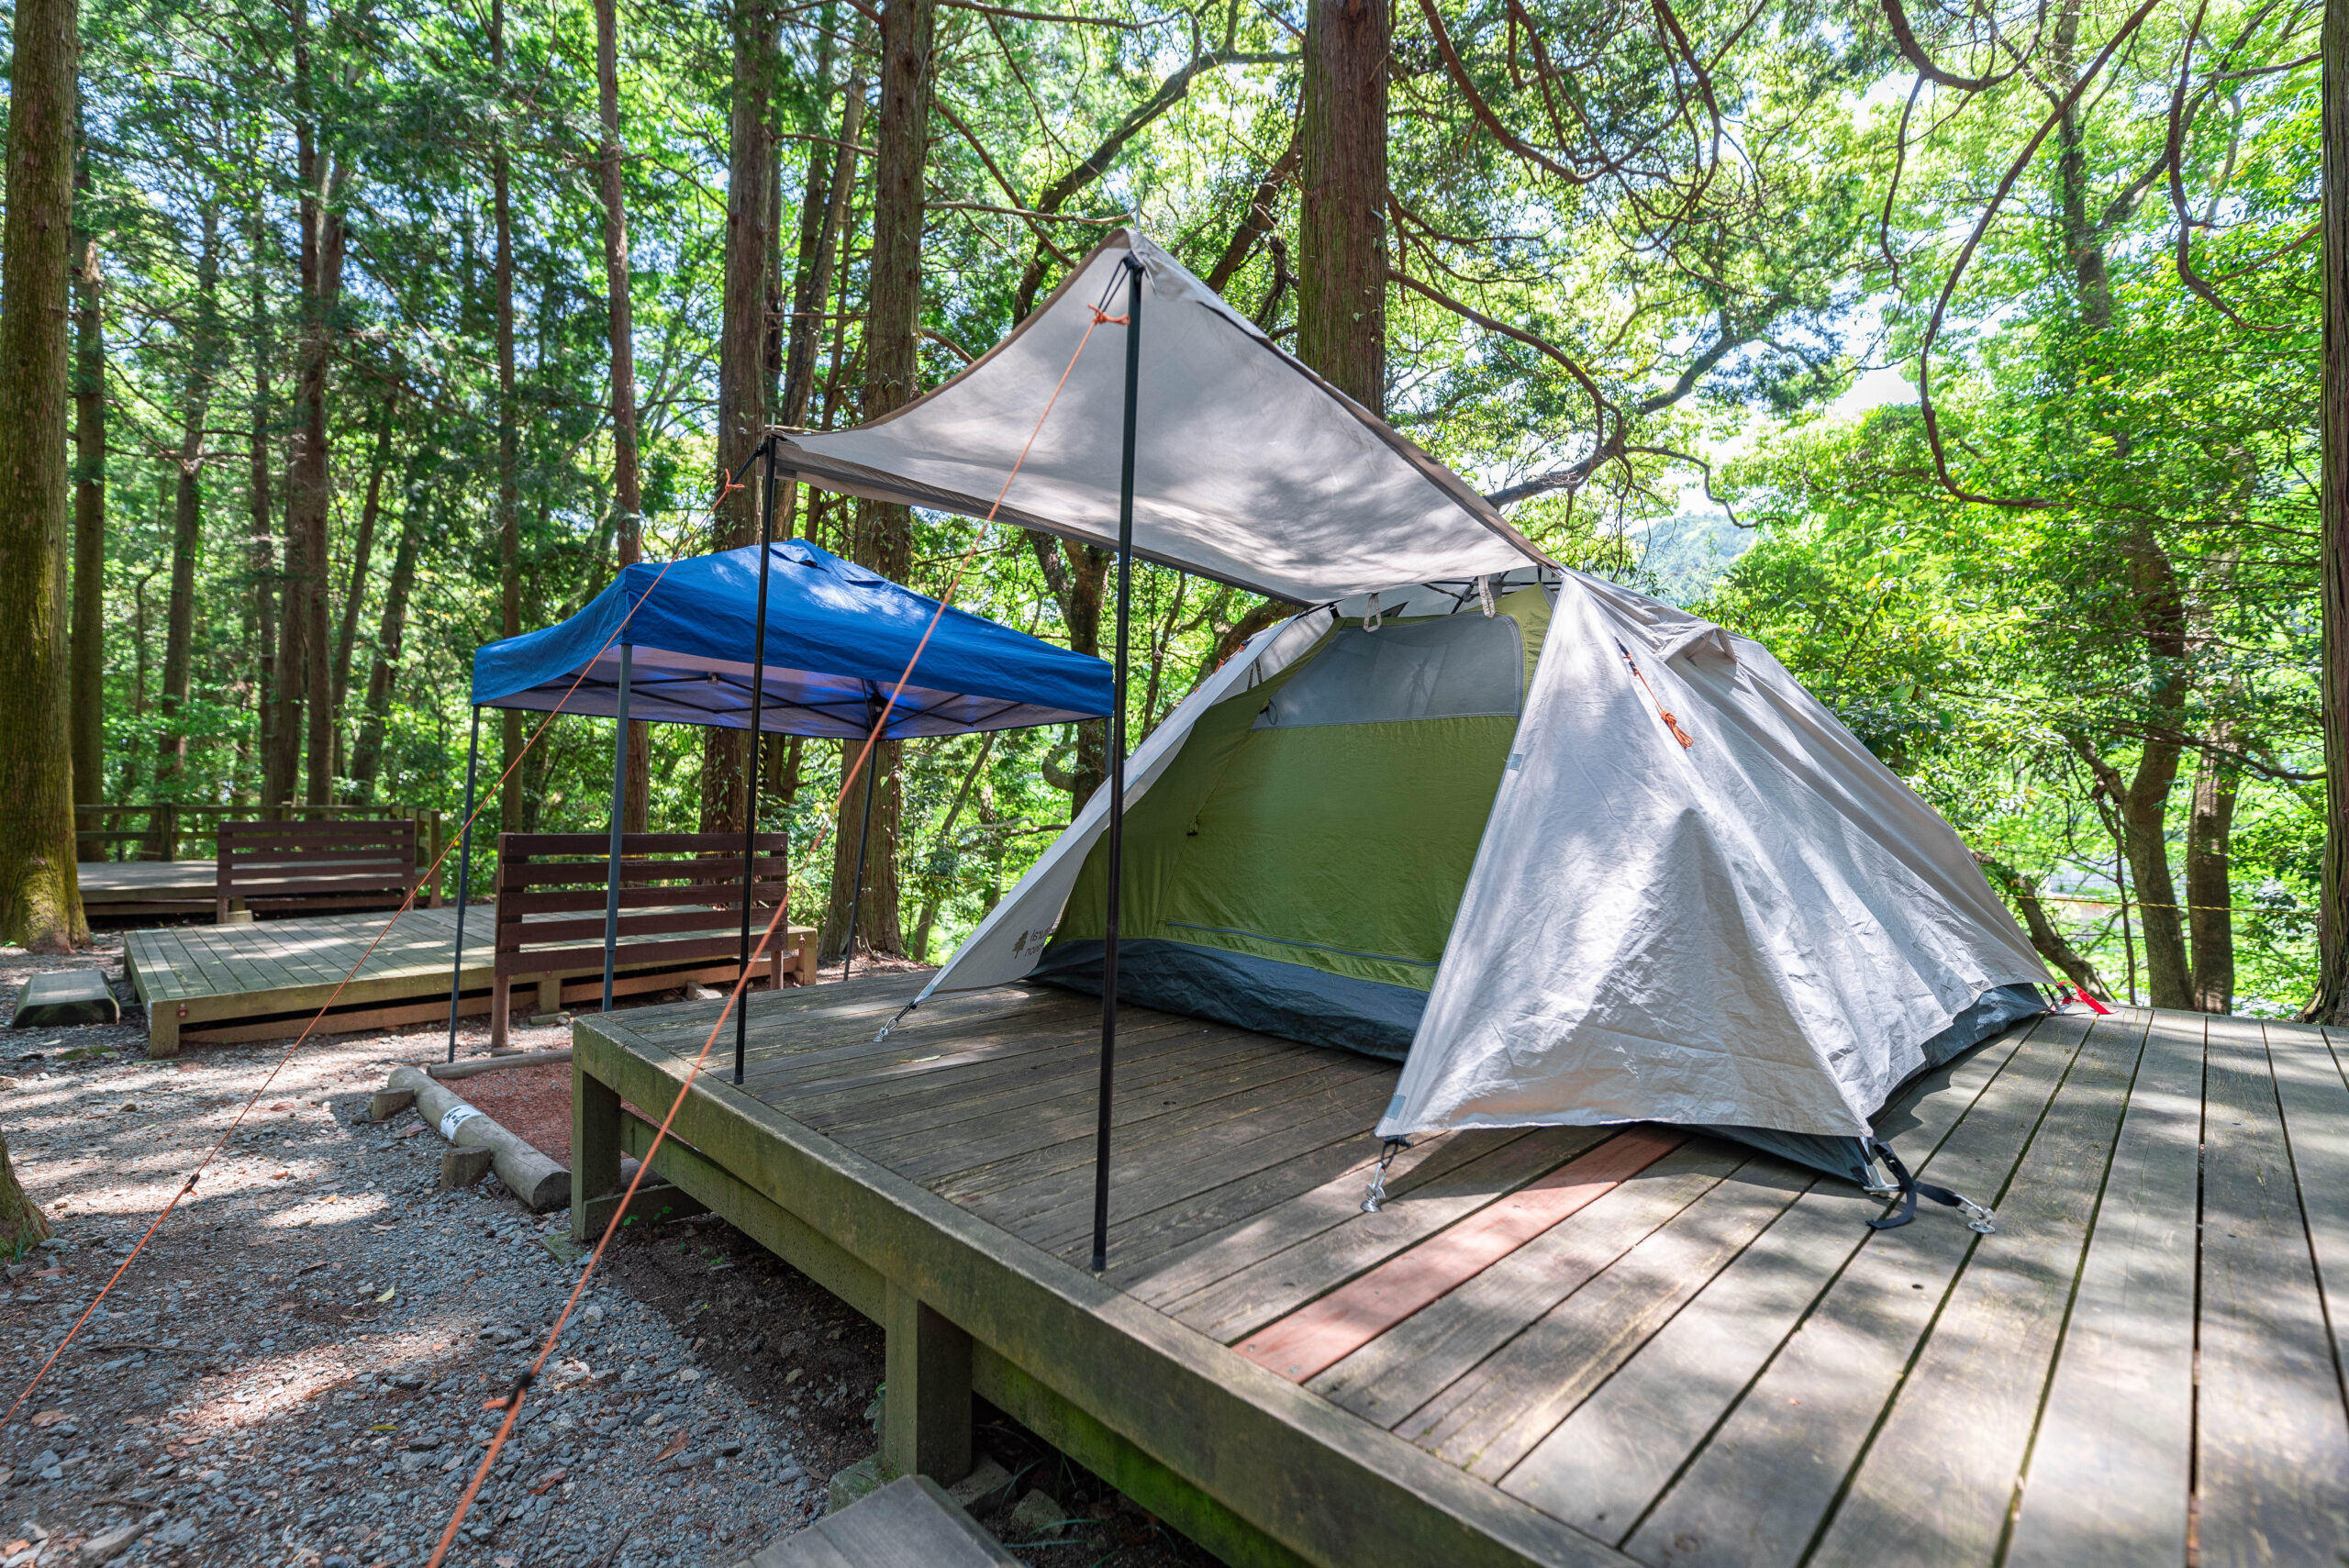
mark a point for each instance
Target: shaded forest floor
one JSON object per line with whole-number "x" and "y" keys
{"x": 292, "y": 1372}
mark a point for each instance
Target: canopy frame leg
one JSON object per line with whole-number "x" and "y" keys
{"x": 856, "y": 887}
{"x": 619, "y": 798}
{"x": 750, "y": 782}
{"x": 1116, "y": 776}
{"x": 465, "y": 881}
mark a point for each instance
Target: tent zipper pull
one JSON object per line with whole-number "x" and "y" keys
{"x": 1375, "y": 1197}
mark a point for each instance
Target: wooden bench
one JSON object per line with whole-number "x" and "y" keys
{"x": 680, "y": 915}
{"x": 315, "y": 867}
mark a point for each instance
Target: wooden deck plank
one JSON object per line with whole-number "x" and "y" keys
{"x": 2100, "y": 1493}
{"x": 1754, "y": 1494}
{"x": 1616, "y": 1452}
{"x": 977, "y": 1078}
{"x": 1147, "y": 1180}
{"x": 1139, "y": 1243}
{"x": 2313, "y": 1090}
{"x": 1964, "y": 1415}
{"x": 1402, "y": 1370}
{"x": 953, "y": 1096}
{"x": 1189, "y": 1084}
{"x": 1237, "y": 1305}
{"x": 1181, "y": 1270}
{"x": 1315, "y": 1337}
{"x": 2272, "y": 1430}
{"x": 1029, "y": 1181}
{"x": 1488, "y": 1421}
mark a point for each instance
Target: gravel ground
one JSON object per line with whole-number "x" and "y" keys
{"x": 293, "y": 1371}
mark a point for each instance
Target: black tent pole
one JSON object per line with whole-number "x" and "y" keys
{"x": 465, "y": 882}
{"x": 750, "y": 784}
{"x": 856, "y": 887}
{"x": 1116, "y": 776}
{"x": 620, "y": 801}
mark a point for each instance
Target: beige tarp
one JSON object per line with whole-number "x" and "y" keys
{"x": 1248, "y": 467}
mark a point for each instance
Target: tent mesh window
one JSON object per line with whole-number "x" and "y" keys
{"x": 1445, "y": 667}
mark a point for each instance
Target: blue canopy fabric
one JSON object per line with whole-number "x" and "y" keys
{"x": 839, "y": 637}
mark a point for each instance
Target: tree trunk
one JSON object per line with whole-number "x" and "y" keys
{"x": 2141, "y": 805}
{"x": 21, "y": 1224}
{"x": 306, "y": 650}
{"x": 823, "y": 219}
{"x": 187, "y": 530}
{"x": 367, "y": 754}
{"x": 362, "y": 550}
{"x": 277, "y": 759}
{"x": 2331, "y": 1004}
{"x": 88, "y": 679}
{"x": 628, "y": 488}
{"x": 40, "y": 897}
{"x": 1078, "y": 576}
{"x": 510, "y": 512}
{"x": 2210, "y": 889}
{"x": 741, "y": 353}
{"x": 1342, "y": 230}
{"x": 1257, "y": 221}
{"x": 885, "y": 535}
{"x": 2051, "y": 943}
{"x": 920, "y": 946}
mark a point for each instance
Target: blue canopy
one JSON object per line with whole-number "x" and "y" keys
{"x": 839, "y": 637}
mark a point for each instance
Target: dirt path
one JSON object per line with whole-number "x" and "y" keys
{"x": 292, "y": 1373}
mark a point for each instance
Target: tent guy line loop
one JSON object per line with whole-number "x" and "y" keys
{"x": 734, "y": 997}
{"x": 431, "y": 875}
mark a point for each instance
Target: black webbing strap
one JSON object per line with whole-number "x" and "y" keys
{"x": 1977, "y": 1218}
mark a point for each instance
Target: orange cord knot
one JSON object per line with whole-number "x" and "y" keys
{"x": 726, "y": 485}
{"x": 1103, "y": 318}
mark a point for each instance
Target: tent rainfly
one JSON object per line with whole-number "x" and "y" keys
{"x": 1577, "y": 856}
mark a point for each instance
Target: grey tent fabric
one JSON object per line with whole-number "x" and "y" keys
{"x": 1251, "y": 469}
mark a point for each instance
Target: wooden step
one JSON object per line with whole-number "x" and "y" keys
{"x": 910, "y": 1523}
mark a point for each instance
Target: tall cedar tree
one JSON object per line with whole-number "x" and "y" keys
{"x": 40, "y": 895}
{"x": 187, "y": 529}
{"x": 1342, "y": 231}
{"x": 277, "y": 759}
{"x": 510, "y": 511}
{"x": 884, "y": 538}
{"x": 628, "y": 489}
{"x": 741, "y": 350}
{"x": 304, "y": 653}
{"x": 88, "y": 681}
{"x": 2332, "y": 1003}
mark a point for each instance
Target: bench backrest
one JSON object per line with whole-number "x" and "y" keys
{"x": 357, "y": 864}
{"x": 683, "y": 888}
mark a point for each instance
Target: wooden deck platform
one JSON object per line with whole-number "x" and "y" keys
{"x": 1561, "y": 1346}
{"x": 142, "y": 889}
{"x": 264, "y": 980}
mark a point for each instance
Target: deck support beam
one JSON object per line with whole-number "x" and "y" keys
{"x": 594, "y": 1149}
{"x": 926, "y": 1409}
